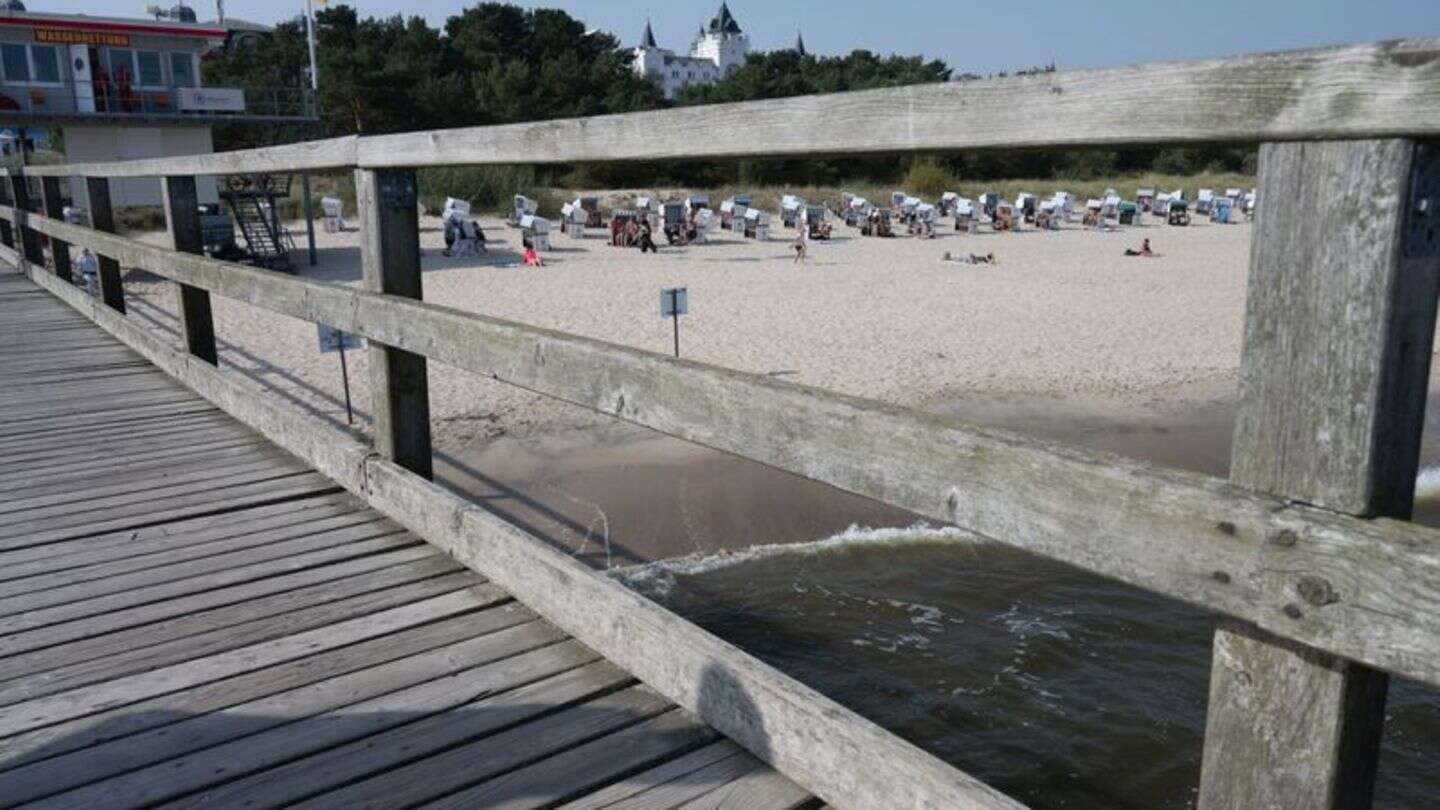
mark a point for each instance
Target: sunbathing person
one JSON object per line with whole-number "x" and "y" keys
{"x": 1143, "y": 251}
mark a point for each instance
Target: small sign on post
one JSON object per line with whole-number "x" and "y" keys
{"x": 674, "y": 302}
{"x": 333, "y": 340}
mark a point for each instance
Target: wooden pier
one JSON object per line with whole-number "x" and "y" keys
{"x": 191, "y": 616}
{"x": 129, "y": 660}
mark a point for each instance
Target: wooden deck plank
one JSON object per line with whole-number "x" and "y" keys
{"x": 334, "y": 707}
{"x": 177, "y": 507}
{"x": 672, "y": 782}
{"x": 239, "y": 560}
{"x": 198, "y": 702}
{"x": 19, "y": 717}
{"x": 465, "y": 765}
{"x": 87, "y": 564}
{"x": 217, "y": 587}
{"x": 574, "y": 674}
{"x": 164, "y": 537}
{"x": 139, "y": 480}
{"x": 587, "y": 766}
{"x": 98, "y": 658}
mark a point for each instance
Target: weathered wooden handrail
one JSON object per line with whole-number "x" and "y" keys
{"x": 1355, "y": 91}
{"x": 1184, "y": 535}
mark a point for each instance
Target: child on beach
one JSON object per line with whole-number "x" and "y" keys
{"x": 530, "y": 258}
{"x": 802, "y": 242}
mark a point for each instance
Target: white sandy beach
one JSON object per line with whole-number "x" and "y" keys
{"x": 1062, "y": 315}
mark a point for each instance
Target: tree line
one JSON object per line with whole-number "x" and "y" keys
{"x": 496, "y": 63}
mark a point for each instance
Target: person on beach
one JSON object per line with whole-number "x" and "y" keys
{"x": 616, "y": 230}
{"x": 1143, "y": 251}
{"x": 802, "y": 243}
{"x": 632, "y": 234}
{"x": 89, "y": 268}
{"x": 530, "y": 258}
{"x": 647, "y": 239}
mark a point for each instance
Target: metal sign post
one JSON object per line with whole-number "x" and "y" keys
{"x": 333, "y": 340}
{"x": 674, "y": 302}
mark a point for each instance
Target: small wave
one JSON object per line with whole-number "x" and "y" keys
{"x": 659, "y": 577}
{"x": 1427, "y": 483}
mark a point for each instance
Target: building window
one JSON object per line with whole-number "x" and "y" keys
{"x": 16, "y": 63}
{"x": 182, "y": 69}
{"x": 122, "y": 66}
{"x": 46, "y": 63}
{"x": 150, "y": 73}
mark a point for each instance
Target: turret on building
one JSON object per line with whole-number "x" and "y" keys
{"x": 718, "y": 49}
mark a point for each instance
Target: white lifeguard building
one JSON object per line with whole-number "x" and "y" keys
{"x": 718, "y": 49}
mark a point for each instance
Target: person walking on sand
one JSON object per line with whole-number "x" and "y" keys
{"x": 647, "y": 239}
{"x": 802, "y": 242}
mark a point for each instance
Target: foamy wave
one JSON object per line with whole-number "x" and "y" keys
{"x": 659, "y": 577}
{"x": 1427, "y": 483}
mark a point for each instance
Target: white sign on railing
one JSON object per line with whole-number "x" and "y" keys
{"x": 223, "y": 99}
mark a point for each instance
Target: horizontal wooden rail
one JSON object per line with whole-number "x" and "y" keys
{"x": 1356, "y": 91}
{"x": 1183, "y": 535}
{"x": 843, "y": 758}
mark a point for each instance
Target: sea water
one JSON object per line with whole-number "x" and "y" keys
{"x": 1058, "y": 687}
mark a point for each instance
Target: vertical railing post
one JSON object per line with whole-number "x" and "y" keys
{"x": 7, "y": 230}
{"x": 29, "y": 238}
{"x": 55, "y": 209}
{"x": 1339, "y": 324}
{"x": 390, "y": 260}
{"x": 102, "y": 218}
{"x": 182, "y": 214}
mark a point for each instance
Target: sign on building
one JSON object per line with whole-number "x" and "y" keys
{"x": 223, "y": 99}
{"x": 67, "y": 36}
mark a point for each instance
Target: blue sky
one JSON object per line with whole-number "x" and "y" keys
{"x": 976, "y": 36}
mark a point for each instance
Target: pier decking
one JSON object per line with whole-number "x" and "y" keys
{"x": 190, "y": 615}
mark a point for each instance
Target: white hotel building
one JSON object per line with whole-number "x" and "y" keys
{"x": 718, "y": 49}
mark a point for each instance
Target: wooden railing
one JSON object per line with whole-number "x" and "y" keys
{"x": 1324, "y": 587}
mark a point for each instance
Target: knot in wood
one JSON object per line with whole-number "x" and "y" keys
{"x": 1316, "y": 591}
{"x": 1285, "y": 538}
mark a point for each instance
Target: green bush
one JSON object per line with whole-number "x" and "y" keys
{"x": 928, "y": 178}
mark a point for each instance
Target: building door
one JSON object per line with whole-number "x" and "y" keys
{"x": 80, "y": 73}
{"x": 99, "y": 82}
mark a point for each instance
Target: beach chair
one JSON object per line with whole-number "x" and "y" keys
{"x": 591, "y": 206}
{"x": 535, "y": 231}
{"x": 1004, "y": 218}
{"x": 696, "y": 202}
{"x": 757, "y": 225}
{"x": 946, "y": 206}
{"x": 1220, "y": 213}
{"x": 1204, "y": 200}
{"x": 1179, "y": 213}
{"x": 815, "y": 219}
{"x": 331, "y": 209}
{"x": 1145, "y": 199}
{"x": 988, "y": 203}
{"x": 877, "y": 223}
{"x": 922, "y": 221}
{"x": 1110, "y": 207}
{"x": 705, "y": 223}
{"x": 573, "y": 219}
{"x": 675, "y": 226}
{"x": 1129, "y": 214}
{"x": 1026, "y": 205}
{"x": 790, "y": 208}
{"x": 897, "y": 200}
{"x": 1064, "y": 205}
{"x": 1047, "y": 218}
{"x": 520, "y": 208}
